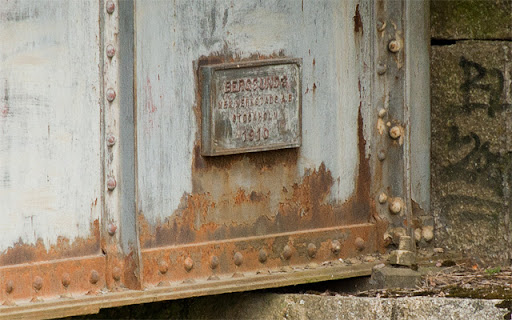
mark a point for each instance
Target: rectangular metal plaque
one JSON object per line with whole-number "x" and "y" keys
{"x": 252, "y": 106}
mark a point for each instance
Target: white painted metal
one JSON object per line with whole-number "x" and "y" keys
{"x": 50, "y": 156}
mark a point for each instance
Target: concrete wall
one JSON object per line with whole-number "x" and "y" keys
{"x": 471, "y": 66}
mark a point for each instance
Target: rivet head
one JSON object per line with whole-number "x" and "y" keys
{"x": 116, "y": 273}
{"x": 214, "y": 262}
{"x": 335, "y": 247}
{"x": 94, "y": 277}
{"x": 163, "y": 266}
{"x": 382, "y": 113}
{"x": 111, "y": 94}
{"x": 188, "y": 264}
{"x": 383, "y": 198}
{"x": 381, "y": 25}
{"x": 111, "y": 140}
{"x": 111, "y": 183}
{"x": 395, "y": 206}
{"x": 38, "y": 283}
{"x": 262, "y": 256}
{"x": 388, "y": 239}
{"x": 66, "y": 279}
{"x": 360, "y": 244}
{"x": 394, "y": 46}
{"x": 112, "y": 229}
{"x": 287, "y": 252}
{"x": 110, "y": 6}
{"x": 395, "y": 132}
{"x": 9, "y": 286}
{"x": 381, "y": 68}
{"x": 381, "y": 155}
{"x": 111, "y": 51}
{"x": 238, "y": 259}
{"x": 311, "y": 250}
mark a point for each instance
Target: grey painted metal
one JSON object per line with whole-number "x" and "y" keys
{"x": 250, "y": 107}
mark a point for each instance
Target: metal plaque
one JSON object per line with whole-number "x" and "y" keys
{"x": 253, "y": 106}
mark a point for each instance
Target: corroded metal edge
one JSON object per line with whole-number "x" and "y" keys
{"x": 207, "y": 75}
{"x": 236, "y": 257}
{"x": 93, "y": 303}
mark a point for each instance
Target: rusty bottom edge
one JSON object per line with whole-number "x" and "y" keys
{"x": 93, "y": 303}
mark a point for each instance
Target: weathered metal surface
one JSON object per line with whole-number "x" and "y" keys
{"x": 158, "y": 211}
{"x": 249, "y": 107}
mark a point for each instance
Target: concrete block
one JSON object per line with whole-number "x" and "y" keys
{"x": 471, "y": 19}
{"x": 394, "y": 277}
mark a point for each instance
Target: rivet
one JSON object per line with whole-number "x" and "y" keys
{"x": 116, "y": 273}
{"x": 427, "y": 233}
{"x": 394, "y": 46}
{"x": 287, "y": 252}
{"x": 163, "y": 266}
{"x": 388, "y": 239}
{"x": 238, "y": 258}
{"x": 214, "y": 262}
{"x": 111, "y": 140}
{"x": 111, "y": 51}
{"x": 417, "y": 234}
{"x": 188, "y": 264}
{"x": 383, "y": 198}
{"x": 66, "y": 279}
{"x": 395, "y": 132}
{"x": 38, "y": 283}
{"x": 381, "y": 155}
{"x": 95, "y": 277}
{"x": 111, "y": 94}
{"x": 360, "y": 244}
{"x": 111, "y": 183}
{"x": 110, "y": 6}
{"x": 335, "y": 247}
{"x": 382, "y": 113}
{"x": 381, "y": 25}
{"x": 262, "y": 256}
{"x": 112, "y": 229}
{"x": 9, "y": 287}
{"x": 395, "y": 206}
{"x": 381, "y": 68}
{"x": 311, "y": 250}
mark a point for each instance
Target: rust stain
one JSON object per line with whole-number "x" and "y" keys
{"x": 358, "y": 22}
{"x": 314, "y": 88}
{"x": 64, "y": 248}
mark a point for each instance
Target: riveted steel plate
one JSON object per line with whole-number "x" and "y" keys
{"x": 249, "y": 107}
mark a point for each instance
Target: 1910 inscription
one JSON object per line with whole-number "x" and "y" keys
{"x": 251, "y": 107}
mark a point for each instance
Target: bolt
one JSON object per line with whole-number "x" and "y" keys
{"x": 111, "y": 94}
{"x": 66, "y": 279}
{"x": 111, "y": 183}
{"x": 262, "y": 256}
{"x": 360, "y": 244}
{"x": 239, "y": 258}
{"x": 395, "y": 132}
{"x": 311, "y": 250}
{"x": 214, "y": 262}
{"x": 112, "y": 229}
{"x": 335, "y": 247}
{"x": 95, "y": 277}
{"x": 287, "y": 252}
{"x": 394, "y": 46}
{"x": 383, "y": 198}
{"x": 110, "y": 6}
{"x": 9, "y": 287}
{"x": 189, "y": 264}
{"x": 38, "y": 283}
{"x": 381, "y": 68}
{"x": 163, "y": 266}
{"x": 116, "y": 273}
{"x": 111, "y": 140}
{"x": 111, "y": 51}
{"x": 396, "y": 205}
{"x": 382, "y": 113}
{"x": 381, "y": 155}
{"x": 381, "y": 25}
